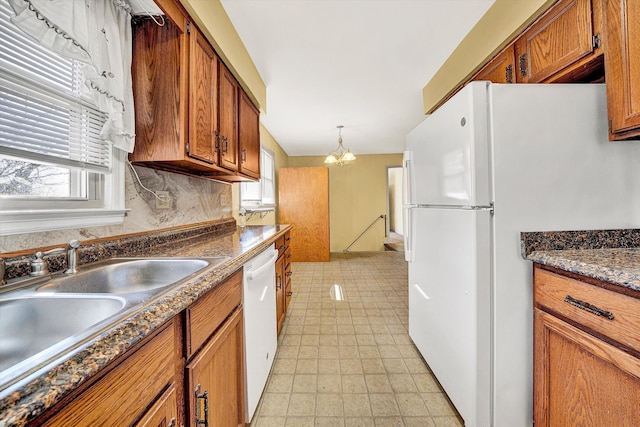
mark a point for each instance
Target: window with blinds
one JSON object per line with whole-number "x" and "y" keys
{"x": 50, "y": 144}
{"x": 262, "y": 193}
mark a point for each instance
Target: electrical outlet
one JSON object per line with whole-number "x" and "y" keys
{"x": 163, "y": 201}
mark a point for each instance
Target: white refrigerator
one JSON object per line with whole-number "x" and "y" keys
{"x": 493, "y": 161}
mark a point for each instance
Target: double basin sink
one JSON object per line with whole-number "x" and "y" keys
{"x": 51, "y": 319}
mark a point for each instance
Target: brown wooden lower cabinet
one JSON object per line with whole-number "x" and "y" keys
{"x": 215, "y": 378}
{"x": 122, "y": 396}
{"x": 586, "y": 366}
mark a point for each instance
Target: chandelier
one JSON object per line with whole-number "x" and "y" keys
{"x": 341, "y": 155}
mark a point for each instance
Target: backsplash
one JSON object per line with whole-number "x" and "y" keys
{"x": 193, "y": 200}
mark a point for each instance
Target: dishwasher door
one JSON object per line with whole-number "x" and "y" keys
{"x": 260, "y": 324}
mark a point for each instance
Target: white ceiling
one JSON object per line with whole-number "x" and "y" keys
{"x": 357, "y": 63}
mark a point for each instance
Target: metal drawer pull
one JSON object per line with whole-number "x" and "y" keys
{"x": 588, "y": 307}
{"x": 205, "y": 396}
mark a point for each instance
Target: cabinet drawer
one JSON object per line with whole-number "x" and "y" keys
{"x": 280, "y": 245}
{"x": 208, "y": 313}
{"x": 552, "y": 292}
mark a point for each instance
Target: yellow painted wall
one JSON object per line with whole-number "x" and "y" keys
{"x": 357, "y": 195}
{"x": 214, "y": 22}
{"x": 503, "y": 20}
{"x": 281, "y": 161}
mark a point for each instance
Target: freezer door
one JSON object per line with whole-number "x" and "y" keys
{"x": 449, "y": 305}
{"x": 450, "y": 159}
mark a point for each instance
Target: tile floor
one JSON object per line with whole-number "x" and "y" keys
{"x": 351, "y": 363}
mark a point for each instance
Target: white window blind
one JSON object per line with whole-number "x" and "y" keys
{"x": 262, "y": 193}
{"x": 43, "y": 117}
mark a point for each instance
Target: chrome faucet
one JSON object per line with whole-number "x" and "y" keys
{"x": 39, "y": 267}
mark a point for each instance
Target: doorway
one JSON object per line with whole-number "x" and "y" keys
{"x": 395, "y": 228}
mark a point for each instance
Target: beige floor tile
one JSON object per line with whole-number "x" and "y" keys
{"x": 359, "y": 422}
{"x": 426, "y": 383}
{"x": 402, "y": 383}
{"x": 329, "y": 383}
{"x": 411, "y": 404}
{"x": 350, "y": 366}
{"x": 307, "y": 366}
{"x": 305, "y": 383}
{"x": 279, "y": 383}
{"x": 268, "y": 422}
{"x": 416, "y": 365}
{"x": 302, "y": 404}
{"x": 329, "y": 422}
{"x": 328, "y": 339}
{"x": 353, "y": 384}
{"x": 348, "y": 351}
{"x": 395, "y": 366}
{"x": 357, "y": 405}
{"x": 328, "y": 351}
{"x": 288, "y": 351}
{"x": 418, "y": 422}
{"x": 329, "y": 366}
{"x": 384, "y": 404}
{"x": 329, "y": 405}
{"x": 344, "y": 340}
{"x": 378, "y": 383}
{"x": 300, "y": 422}
{"x": 373, "y": 366}
{"x": 274, "y": 404}
{"x": 388, "y": 422}
{"x": 389, "y": 352}
{"x": 437, "y": 404}
{"x": 309, "y": 340}
{"x": 308, "y": 352}
{"x": 447, "y": 422}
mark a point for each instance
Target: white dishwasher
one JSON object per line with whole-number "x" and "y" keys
{"x": 260, "y": 324}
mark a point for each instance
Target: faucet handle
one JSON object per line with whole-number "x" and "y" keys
{"x": 39, "y": 267}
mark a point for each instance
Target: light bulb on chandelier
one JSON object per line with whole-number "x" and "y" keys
{"x": 341, "y": 155}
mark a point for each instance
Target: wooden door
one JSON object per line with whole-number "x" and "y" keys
{"x": 228, "y": 116}
{"x": 622, "y": 62}
{"x": 216, "y": 378}
{"x": 203, "y": 99}
{"x": 500, "y": 69}
{"x": 559, "y": 39}
{"x": 580, "y": 380}
{"x": 304, "y": 203}
{"x": 249, "y": 137}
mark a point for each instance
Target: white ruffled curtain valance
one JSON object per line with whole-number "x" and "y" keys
{"x": 97, "y": 33}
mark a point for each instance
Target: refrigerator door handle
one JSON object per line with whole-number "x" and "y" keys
{"x": 407, "y": 179}
{"x": 408, "y": 228}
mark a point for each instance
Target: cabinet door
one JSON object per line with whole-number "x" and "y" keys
{"x": 215, "y": 386}
{"x": 163, "y": 413}
{"x": 559, "y": 39}
{"x": 280, "y": 292}
{"x": 500, "y": 69}
{"x": 160, "y": 83}
{"x": 581, "y": 380}
{"x": 228, "y": 126}
{"x": 203, "y": 101}
{"x": 249, "y": 137}
{"x": 622, "y": 62}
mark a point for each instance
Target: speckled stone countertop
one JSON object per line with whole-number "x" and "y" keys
{"x": 25, "y": 400}
{"x": 609, "y": 255}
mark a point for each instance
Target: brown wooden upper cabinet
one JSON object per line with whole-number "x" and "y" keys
{"x": 501, "y": 69}
{"x": 228, "y": 133}
{"x": 186, "y": 102}
{"x": 566, "y": 38}
{"x": 622, "y": 62}
{"x": 249, "y": 137}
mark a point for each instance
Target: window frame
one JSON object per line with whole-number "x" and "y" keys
{"x": 261, "y": 205}
{"x": 104, "y": 204}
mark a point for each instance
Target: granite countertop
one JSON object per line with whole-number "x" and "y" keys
{"x": 25, "y": 400}
{"x": 609, "y": 255}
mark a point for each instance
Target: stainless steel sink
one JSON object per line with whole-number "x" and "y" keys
{"x": 42, "y": 322}
{"x": 128, "y": 275}
{"x": 33, "y": 324}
